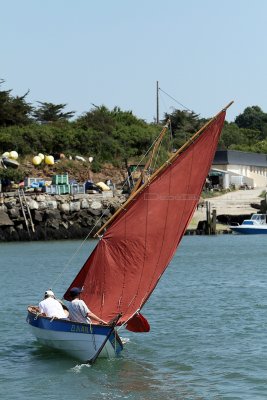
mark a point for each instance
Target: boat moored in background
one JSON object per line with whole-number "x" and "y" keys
{"x": 257, "y": 224}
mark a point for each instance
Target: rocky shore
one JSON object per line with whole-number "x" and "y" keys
{"x": 39, "y": 216}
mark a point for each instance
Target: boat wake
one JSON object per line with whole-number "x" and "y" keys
{"x": 125, "y": 340}
{"x": 79, "y": 367}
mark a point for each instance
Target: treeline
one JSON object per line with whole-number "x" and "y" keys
{"x": 107, "y": 135}
{"x": 247, "y": 133}
{"x": 111, "y": 135}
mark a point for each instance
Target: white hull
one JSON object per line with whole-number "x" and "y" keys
{"x": 81, "y": 341}
{"x": 256, "y": 225}
{"x": 82, "y": 347}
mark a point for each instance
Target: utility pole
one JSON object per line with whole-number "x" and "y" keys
{"x": 157, "y": 119}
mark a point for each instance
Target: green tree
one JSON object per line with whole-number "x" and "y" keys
{"x": 183, "y": 125}
{"x": 126, "y": 118}
{"x": 253, "y": 118}
{"x": 36, "y": 138}
{"x": 49, "y": 112}
{"x": 112, "y": 135}
{"x": 14, "y": 110}
{"x": 99, "y": 119}
{"x": 260, "y": 147}
{"x": 233, "y": 136}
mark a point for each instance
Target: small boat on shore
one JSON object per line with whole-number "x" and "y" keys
{"x": 257, "y": 224}
{"x": 9, "y": 162}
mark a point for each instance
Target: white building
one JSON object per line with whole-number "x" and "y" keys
{"x": 241, "y": 167}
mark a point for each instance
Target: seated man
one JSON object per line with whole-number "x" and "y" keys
{"x": 78, "y": 310}
{"x": 51, "y": 307}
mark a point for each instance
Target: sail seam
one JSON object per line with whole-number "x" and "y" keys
{"x": 144, "y": 258}
{"x": 145, "y": 249}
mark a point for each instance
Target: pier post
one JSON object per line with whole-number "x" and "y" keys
{"x": 213, "y": 222}
{"x": 208, "y": 218}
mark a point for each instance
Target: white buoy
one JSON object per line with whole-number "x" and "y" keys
{"x": 36, "y": 160}
{"x": 41, "y": 156}
{"x": 13, "y": 155}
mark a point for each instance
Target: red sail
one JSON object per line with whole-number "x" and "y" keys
{"x": 129, "y": 260}
{"x": 138, "y": 323}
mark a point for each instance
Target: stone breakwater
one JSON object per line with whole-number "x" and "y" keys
{"x": 55, "y": 216}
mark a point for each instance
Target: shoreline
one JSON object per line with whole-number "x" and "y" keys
{"x": 76, "y": 216}
{"x": 41, "y": 216}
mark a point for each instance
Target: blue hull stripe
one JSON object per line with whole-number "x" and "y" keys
{"x": 60, "y": 325}
{"x": 250, "y": 231}
{"x": 66, "y": 326}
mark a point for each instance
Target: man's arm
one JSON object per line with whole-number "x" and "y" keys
{"x": 95, "y": 317}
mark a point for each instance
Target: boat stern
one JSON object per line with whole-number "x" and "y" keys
{"x": 79, "y": 340}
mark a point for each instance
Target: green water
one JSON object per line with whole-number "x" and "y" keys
{"x": 208, "y": 336}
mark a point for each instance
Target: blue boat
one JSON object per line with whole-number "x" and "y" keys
{"x": 256, "y": 225}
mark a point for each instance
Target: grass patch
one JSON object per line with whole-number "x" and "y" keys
{"x": 217, "y": 193}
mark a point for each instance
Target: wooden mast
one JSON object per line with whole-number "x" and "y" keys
{"x": 149, "y": 161}
{"x": 164, "y": 166}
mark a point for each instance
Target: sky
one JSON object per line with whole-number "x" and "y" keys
{"x": 203, "y": 53}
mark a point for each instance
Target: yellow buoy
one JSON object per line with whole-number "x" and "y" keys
{"x": 49, "y": 160}
{"x": 13, "y": 155}
{"x": 103, "y": 186}
{"x": 36, "y": 160}
{"x": 41, "y": 156}
{"x": 6, "y": 154}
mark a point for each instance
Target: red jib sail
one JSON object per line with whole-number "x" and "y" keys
{"x": 130, "y": 258}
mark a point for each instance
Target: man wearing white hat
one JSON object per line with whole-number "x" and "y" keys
{"x": 51, "y": 307}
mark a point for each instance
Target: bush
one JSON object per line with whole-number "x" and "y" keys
{"x": 15, "y": 175}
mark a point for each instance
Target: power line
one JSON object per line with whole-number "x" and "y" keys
{"x": 188, "y": 109}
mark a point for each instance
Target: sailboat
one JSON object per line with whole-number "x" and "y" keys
{"x": 135, "y": 247}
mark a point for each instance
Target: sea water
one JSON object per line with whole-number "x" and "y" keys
{"x": 208, "y": 318}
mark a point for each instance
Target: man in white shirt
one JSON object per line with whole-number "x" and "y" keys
{"x": 51, "y": 307}
{"x": 78, "y": 310}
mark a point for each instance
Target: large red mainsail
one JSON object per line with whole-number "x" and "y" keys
{"x": 130, "y": 258}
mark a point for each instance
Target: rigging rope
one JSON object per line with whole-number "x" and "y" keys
{"x": 186, "y": 108}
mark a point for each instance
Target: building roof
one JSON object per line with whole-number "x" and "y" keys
{"x": 234, "y": 157}
{"x": 216, "y": 171}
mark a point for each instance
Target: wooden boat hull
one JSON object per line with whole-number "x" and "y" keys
{"x": 81, "y": 341}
